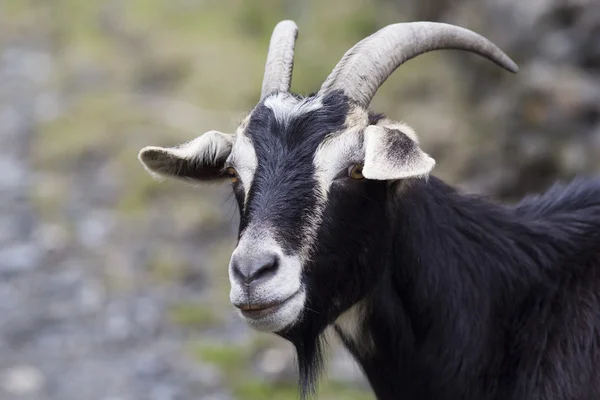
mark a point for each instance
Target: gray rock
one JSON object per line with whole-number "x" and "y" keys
{"x": 18, "y": 258}
{"x": 22, "y": 380}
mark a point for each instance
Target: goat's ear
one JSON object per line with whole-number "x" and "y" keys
{"x": 200, "y": 159}
{"x": 392, "y": 154}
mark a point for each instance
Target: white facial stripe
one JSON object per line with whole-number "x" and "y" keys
{"x": 332, "y": 155}
{"x": 335, "y": 154}
{"x": 286, "y": 282}
{"x": 244, "y": 124}
{"x": 339, "y": 150}
{"x": 243, "y": 158}
{"x": 285, "y": 107}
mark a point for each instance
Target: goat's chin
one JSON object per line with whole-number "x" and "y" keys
{"x": 279, "y": 318}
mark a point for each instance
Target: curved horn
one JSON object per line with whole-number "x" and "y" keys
{"x": 364, "y": 68}
{"x": 280, "y": 59}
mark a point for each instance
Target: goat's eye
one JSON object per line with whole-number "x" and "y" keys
{"x": 355, "y": 171}
{"x": 232, "y": 174}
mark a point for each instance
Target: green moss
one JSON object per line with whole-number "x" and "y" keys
{"x": 186, "y": 22}
{"x": 193, "y": 315}
{"x": 91, "y": 125}
{"x": 256, "y": 19}
{"x": 79, "y": 30}
{"x": 257, "y": 390}
{"x": 235, "y": 363}
{"x": 361, "y": 23}
{"x": 195, "y": 210}
{"x": 260, "y": 341}
{"x": 49, "y": 196}
{"x": 217, "y": 267}
{"x": 15, "y": 8}
{"x": 164, "y": 268}
{"x": 336, "y": 390}
{"x": 229, "y": 358}
{"x": 135, "y": 200}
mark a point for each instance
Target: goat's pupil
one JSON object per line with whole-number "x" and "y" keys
{"x": 356, "y": 172}
{"x": 232, "y": 174}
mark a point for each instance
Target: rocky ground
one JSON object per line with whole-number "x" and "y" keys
{"x": 114, "y": 286}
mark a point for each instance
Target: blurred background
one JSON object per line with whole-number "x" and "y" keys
{"x": 114, "y": 286}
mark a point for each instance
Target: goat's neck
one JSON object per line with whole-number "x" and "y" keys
{"x": 456, "y": 261}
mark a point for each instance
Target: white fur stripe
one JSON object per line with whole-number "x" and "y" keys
{"x": 286, "y": 107}
{"x": 243, "y": 158}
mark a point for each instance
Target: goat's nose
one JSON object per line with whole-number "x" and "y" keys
{"x": 250, "y": 269}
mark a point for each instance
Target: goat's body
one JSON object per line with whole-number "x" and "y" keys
{"x": 481, "y": 301}
{"x": 438, "y": 295}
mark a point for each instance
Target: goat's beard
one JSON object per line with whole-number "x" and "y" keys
{"x": 309, "y": 354}
{"x": 309, "y": 339}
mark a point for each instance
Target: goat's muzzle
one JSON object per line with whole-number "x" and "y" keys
{"x": 266, "y": 283}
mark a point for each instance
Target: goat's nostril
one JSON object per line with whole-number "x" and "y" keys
{"x": 250, "y": 270}
{"x": 237, "y": 273}
{"x": 265, "y": 271}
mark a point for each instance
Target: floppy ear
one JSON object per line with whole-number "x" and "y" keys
{"x": 392, "y": 154}
{"x": 200, "y": 159}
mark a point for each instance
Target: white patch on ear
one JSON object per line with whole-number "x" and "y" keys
{"x": 200, "y": 158}
{"x": 285, "y": 107}
{"x": 392, "y": 154}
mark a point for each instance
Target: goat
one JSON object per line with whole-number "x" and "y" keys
{"x": 436, "y": 294}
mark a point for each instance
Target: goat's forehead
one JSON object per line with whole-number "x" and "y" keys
{"x": 286, "y": 107}
{"x": 287, "y": 123}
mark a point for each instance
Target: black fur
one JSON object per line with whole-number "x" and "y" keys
{"x": 481, "y": 301}
{"x": 463, "y": 298}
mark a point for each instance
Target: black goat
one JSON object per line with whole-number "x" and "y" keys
{"x": 438, "y": 295}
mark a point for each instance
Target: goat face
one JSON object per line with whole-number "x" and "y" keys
{"x": 309, "y": 176}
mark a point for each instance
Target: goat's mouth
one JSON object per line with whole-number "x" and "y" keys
{"x": 257, "y": 311}
{"x": 274, "y": 316}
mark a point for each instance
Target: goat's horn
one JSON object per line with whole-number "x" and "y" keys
{"x": 280, "y": 59}
{"x": 364, "y": 68}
